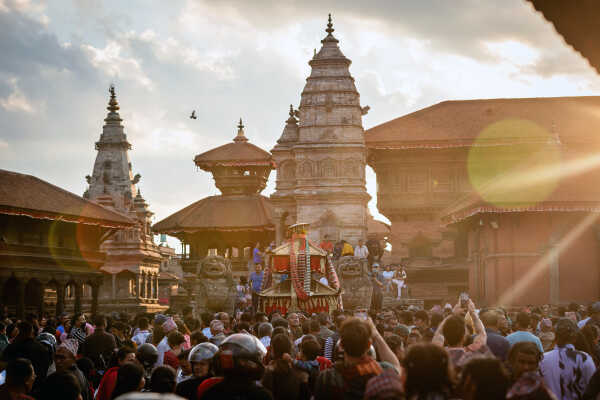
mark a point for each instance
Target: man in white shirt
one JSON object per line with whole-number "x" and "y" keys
{"x": 361, "y": 250}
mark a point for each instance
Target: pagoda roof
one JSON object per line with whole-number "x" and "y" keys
{"x": 458, "y": 123}
{"x": 221, "y": 213}
{"x": 238, "y": 153}
{"x": 234, "y": 154}
{"x": 22, "y": 194}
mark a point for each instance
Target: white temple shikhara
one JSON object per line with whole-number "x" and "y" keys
{"x": 321, "y": 154}
{"x": 133, "y": 260}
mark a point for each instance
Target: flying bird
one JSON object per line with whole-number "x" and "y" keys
{"x": 193, "y": 116}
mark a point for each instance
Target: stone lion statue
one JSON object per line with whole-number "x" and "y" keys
{"x": 356, "y": 286}
{"x": 215, "y": 287}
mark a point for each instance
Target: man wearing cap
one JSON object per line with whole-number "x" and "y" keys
{"x": 163, "y": 346}
{"x": 567, "y": 371}
{"x": 593, "y": 318}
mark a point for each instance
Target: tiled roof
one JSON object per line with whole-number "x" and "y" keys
{"x": 234, "y": 153}
{"x": 22, "y": 194}
{"x": 458, "y": 123}
{"x": 221, "y": 213}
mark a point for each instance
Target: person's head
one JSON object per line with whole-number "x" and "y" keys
{"x": 257, "y": 245}
{"x": 280, "y": 322}
{"x": 261, "y": 317}
{"x": 78, "y": 320}
{"x": 324, "y": 319}
{"x": 293, "y": 319}
{"x": 60, "y": 385}
{"x": 414, "y": 337}
{"x": 524, "y": 357}
{"x": 25, "y": 330}
{"x": 216, "y": 327}
{"x": 396, "y": 344}
{"x": 280, "y": 345}
{"x": 201, "y": 357}
{"x": 175, "y": 339}
{"x": 184, "y": 363}
{"x": 100, "y": 321}
{"x": 130, "y": 378}
{"x": 63, "y": 358}
{"x": 257, "y": 267}
{"x": 125, "y": 354}
{"x": 355, "y": 337}
{"x": 197, "y": 337}
{"x": 118, "y": 329}
{"x": 20, "y": 375}
{"x": 265, "y": 329}
{"x": 143, "y": 323}
{"x": 314, "y": 326}
{"x": 489, "y": 319}
{"x": 224, "y": 318}
{"x": 147, "y": 354}
{"x": 454, "y": 331}
{"x": 360, "y": 242}
{"x": 595, "y": 311}
{"x": 566, "y": 332}
{"x": 163, "y": 380}
{"x": 523, "y": 321}
{"x": 484, "y": 379}
{"x": 427, "y": 370}
{"x": 422, "y": 319}
{"x": 86, "y": 366}
{"x": 436, "y": 319}
{"x": 591, "y": 333}
{"x": 406, "y": 317}
{"x": 309, "y": 348}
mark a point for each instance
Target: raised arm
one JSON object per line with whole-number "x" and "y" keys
{"x": 383, "y": 350}
{"x": 480, "y": 335}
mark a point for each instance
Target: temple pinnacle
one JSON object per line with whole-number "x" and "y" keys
{"x": 329, "y": 29}
{"x": 240, "y": 134}
{"x": 291, "y": 110}
{"x": 113, "y": 105}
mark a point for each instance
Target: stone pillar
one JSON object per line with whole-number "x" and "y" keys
{"x": 140, "y": 283}
{"x": 60, "y": 298}
{"x": 78, "y": 295}
{"x": 154, "y": 286}
{"x": 20, "y": 298}
{"x": 145, "y": 285}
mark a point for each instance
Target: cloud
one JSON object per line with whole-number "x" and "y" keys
{"x": 16, "y": 100}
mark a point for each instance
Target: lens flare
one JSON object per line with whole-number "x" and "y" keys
{"x": 514, "y": 162}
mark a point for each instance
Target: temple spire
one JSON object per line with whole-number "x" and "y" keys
{"x": 113, "y": 116}
{"x": 329, "y": 29}
{"x": 241, "y": 137}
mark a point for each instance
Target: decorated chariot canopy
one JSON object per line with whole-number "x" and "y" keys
{"x": 292, "y": 277}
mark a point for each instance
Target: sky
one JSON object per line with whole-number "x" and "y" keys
{"x": 228, "y": 59}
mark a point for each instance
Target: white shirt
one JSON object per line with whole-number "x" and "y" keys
{"x": 162, "y": 348}
{"x": 361, "y": 251}
{"x": 140, "y": 337}
{"x": 324, "y": 281}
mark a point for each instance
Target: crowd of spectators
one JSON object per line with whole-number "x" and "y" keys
{"x": 450, "y": 351}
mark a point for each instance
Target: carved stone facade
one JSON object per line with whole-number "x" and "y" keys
{"x": 321, "y": 154}
{"x": 133, "y": 259}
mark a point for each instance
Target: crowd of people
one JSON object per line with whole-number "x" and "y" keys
{"x": 447, "y": 352}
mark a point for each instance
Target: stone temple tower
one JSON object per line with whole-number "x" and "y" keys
{"x": 321, "y": 154}
{"x": 132, "y": 259}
